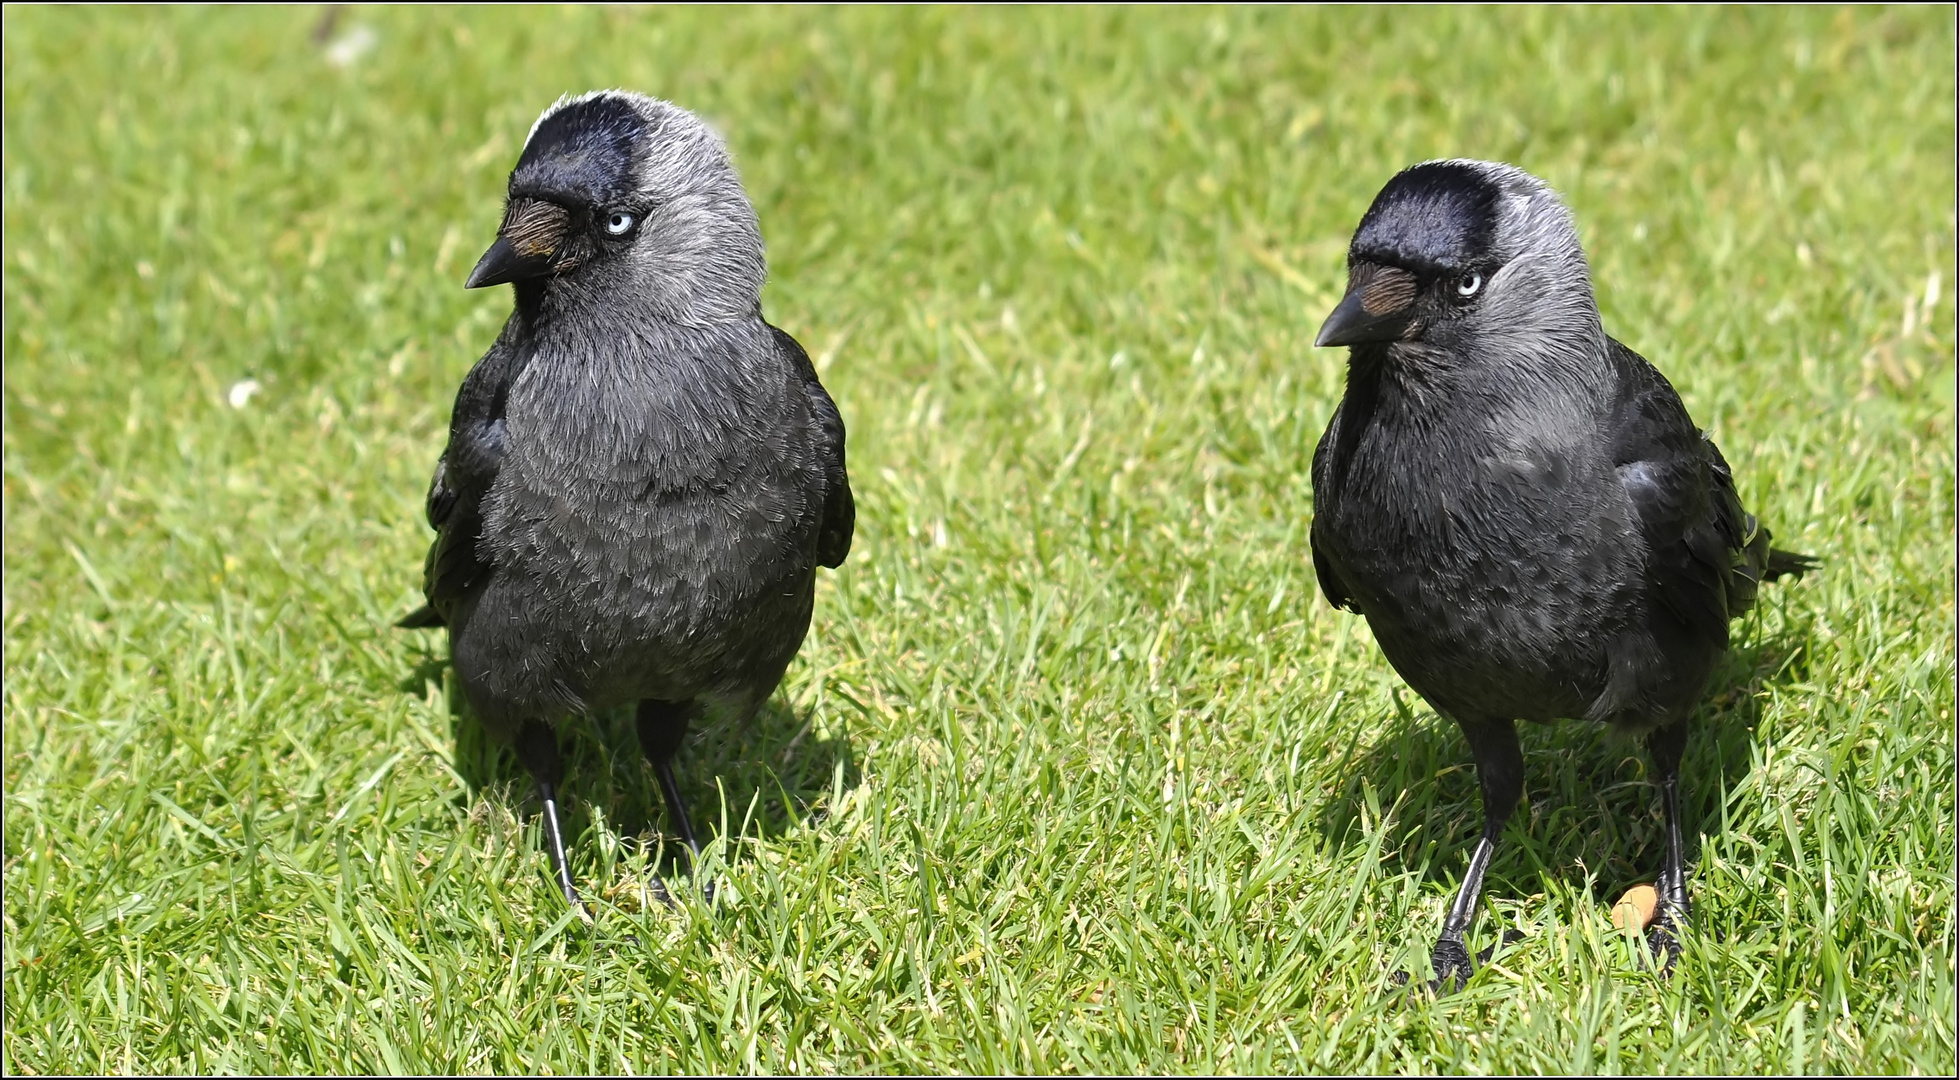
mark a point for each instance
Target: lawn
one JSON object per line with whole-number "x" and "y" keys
{"x": 1076, "y": 771}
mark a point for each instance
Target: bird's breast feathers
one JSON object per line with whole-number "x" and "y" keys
{"x": 1493, "y": 513}
{"x": 677, "y": 466}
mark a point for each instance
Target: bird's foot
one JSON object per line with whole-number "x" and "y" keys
{"x": 1452, "y": 965}
{"x": 575, "y": 901}
{"x": 1509, "y": 938}
{"x": 657, "y": 889}
{"x": 1662, "y": 938}
{"x": 1452, "y": 962}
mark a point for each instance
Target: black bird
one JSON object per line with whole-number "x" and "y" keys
{"x": 642, "y": 475}
{"x": 1518, "y": 504}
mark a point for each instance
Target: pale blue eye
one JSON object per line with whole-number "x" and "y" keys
{"x": 1469, "y": 285}
{"x": 619, "y": 223}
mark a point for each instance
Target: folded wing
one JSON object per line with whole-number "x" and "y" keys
{"x": 462, "y": 477}
{"x": 839, "y": 507}
{"x": 1705, "y": 554}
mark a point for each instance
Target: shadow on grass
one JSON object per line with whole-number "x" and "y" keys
{"x": 758, "y": 779}
{"x": 1590, "y": 806}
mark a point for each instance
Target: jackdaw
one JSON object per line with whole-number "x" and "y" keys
{"x": 642, "y": 474}
{"x": 1518, "y": 504}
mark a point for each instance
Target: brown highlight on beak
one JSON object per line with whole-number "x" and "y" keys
{"x": 1384, "y": 290}
{"x": 527, "y": 244}
{"x": 1377, "y": 306}
{"x": 534, "y": 227}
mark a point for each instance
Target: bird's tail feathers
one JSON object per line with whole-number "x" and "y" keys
{"x": 421, "y": 618}
{"x": 1758, "y": 562}
{"x": 1788, "y": 564}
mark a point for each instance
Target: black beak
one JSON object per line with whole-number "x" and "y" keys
{"x": 527, "y": 245}
{"x": 503, "y": 264}
{"x": 1378, "y": 306}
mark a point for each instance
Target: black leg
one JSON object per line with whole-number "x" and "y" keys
{"x": 1500, "y": 771}
{"x": 537, "y": 748}
{"x": 662, "y": 726}
{"x": 1668, "y": 745}
{"x": 676, "y": 809}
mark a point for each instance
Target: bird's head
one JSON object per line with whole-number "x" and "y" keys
{"x": 1466, "y": 256}
{"x": 620, "y": 197}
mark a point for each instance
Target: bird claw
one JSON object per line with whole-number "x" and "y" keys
{"x": 657, "y": 889}
{"x": 1507, "y": 939}
{"x": 576, "y": 902}
{"x": 1662, "y": 940}
{"x": 1453, "y": 964}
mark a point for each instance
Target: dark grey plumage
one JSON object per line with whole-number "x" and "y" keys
{"x": 642, "y": 474}
{"x": 1518, "y": 504}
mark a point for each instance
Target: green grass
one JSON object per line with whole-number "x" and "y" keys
{"x": 1076, "y": 772}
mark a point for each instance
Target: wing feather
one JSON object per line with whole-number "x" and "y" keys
{"x": 1705, "y": 554}
{"x": 463, "y": 476}
{"x": 1324, "y": 492}
{"x": 839, "y": 507}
